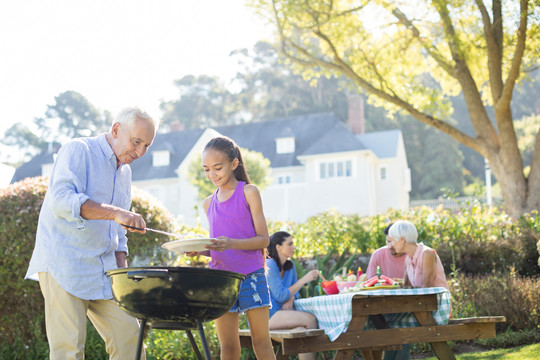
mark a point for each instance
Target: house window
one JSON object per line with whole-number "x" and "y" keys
{"x": 335, "y": 169}
{"x": 284, "y": 179}
{"x": 285, "y": 145}
{"x": 161, "y": 158}
{"x": 383, "y": 171}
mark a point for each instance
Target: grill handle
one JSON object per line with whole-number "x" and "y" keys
{"x": 138, "y": 275}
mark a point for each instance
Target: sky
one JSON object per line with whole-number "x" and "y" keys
{"x": 116, "y": 53}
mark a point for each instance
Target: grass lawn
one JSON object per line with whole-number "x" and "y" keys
{"x": 527, "y": 352}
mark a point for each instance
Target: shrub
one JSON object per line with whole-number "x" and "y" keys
{"x": 477, "y": 240}
{"x": 507, "y": 294}
{"x": 21, "y": 303}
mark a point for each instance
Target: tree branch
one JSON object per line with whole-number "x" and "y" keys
{"x": 431, "y": 50}
{"x": 494, "y": 47}
{"x": 344, "y": 68}
{"x": 514, "y": 71}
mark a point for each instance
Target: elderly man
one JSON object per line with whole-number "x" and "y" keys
{"x": 392, "y": 264}
{"x": 80, "y": 237}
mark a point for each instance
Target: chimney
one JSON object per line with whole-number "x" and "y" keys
{"x": 356, "y": 113}
{"x": 176, "y": 126}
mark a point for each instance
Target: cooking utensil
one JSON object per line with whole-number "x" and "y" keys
{"x": 153, "y": 230}
{"x": 175, "y": 298}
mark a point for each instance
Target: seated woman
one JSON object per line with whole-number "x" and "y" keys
{"x": 284, "y": 287}
{"x": 423, "y": 267}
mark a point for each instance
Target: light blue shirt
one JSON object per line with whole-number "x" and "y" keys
{"x": 75, "y": 251}
{"x": 279, "y": 286}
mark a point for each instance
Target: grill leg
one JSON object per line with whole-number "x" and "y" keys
{"x": 140, "y": 340}
{"x": 194, "y": 345}
{"x": 203, "y": 340}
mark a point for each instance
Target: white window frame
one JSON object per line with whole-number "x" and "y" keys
{"x": 161, "y": 158}
{"x": 383, "y": 172}
{"x": 285, "y": 145}
{"x": 284, "y": 179}
{"x": 335, "y": 169}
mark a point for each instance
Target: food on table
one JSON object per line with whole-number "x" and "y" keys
{"x": 375, "y": 282}
{"x": 338, "y": 278}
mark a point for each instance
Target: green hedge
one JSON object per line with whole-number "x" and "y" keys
{"x": 477, "y": 240}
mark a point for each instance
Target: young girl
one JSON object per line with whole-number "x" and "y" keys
{"x": 237, "y": 222}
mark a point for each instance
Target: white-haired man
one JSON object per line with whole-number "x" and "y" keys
{"x": 80, "y": 237}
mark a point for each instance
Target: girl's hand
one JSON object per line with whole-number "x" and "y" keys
{"x": 220, "y": 243}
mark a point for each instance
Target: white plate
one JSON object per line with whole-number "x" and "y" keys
{"x": 187, "y": 245}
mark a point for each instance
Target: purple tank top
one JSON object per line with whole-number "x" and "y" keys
{"x": 232, "y": 218}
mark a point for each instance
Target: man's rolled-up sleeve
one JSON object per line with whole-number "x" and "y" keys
{"x": 68, "y": 183}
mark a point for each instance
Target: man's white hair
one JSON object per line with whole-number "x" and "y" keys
{"x": 127, "y": 116}
{"x": 405, "y": 229}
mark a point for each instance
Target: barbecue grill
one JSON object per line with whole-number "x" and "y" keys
{"x": 175, "y": 298}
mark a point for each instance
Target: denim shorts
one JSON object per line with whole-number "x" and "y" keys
{"x": 254, "y": 293}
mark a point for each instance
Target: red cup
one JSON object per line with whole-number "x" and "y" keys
{"x": 330, "y": 287}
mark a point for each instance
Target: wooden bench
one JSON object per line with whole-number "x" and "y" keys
{"x": 370, "y": 343}
{"x": 280, "y": 336}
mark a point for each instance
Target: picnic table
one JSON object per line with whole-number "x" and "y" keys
{"x": 371, "y": 321}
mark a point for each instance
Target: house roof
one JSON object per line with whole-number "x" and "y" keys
{"x": 321, "y": 129}
{"x": 383, "y": 143}
{"x": 313, "y": 134}
{"x": 178, "y": 143}
{"x": 33, "y": 167}
{"x": 336, "y": 139}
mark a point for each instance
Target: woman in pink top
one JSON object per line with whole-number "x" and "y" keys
{"x": 240, "y": 237}
{"x": 423, "y": 267}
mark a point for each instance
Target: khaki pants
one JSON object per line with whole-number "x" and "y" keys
{"x": 65, "y": 320}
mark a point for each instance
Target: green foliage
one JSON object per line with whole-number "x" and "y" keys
{"x": 506, "y": 294}
{"x": 204, "y": 102}
{"x": 169, "y": 345}
{"x": 256, "y": 164}
{"x": 21, "y": 311}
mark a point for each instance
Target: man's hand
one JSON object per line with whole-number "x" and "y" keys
{"x": 92, "y": 210}
{"x": 131, "y": 219}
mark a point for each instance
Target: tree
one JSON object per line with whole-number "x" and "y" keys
{"x": 72, "y": 115}
{"x": 268, "y": 88}
{"x": 413, "y": 56}
{"x": 204, "y": 101}
{"x": 256, "y": 164}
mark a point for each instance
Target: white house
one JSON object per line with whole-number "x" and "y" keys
{"x": 317, "y": 164}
